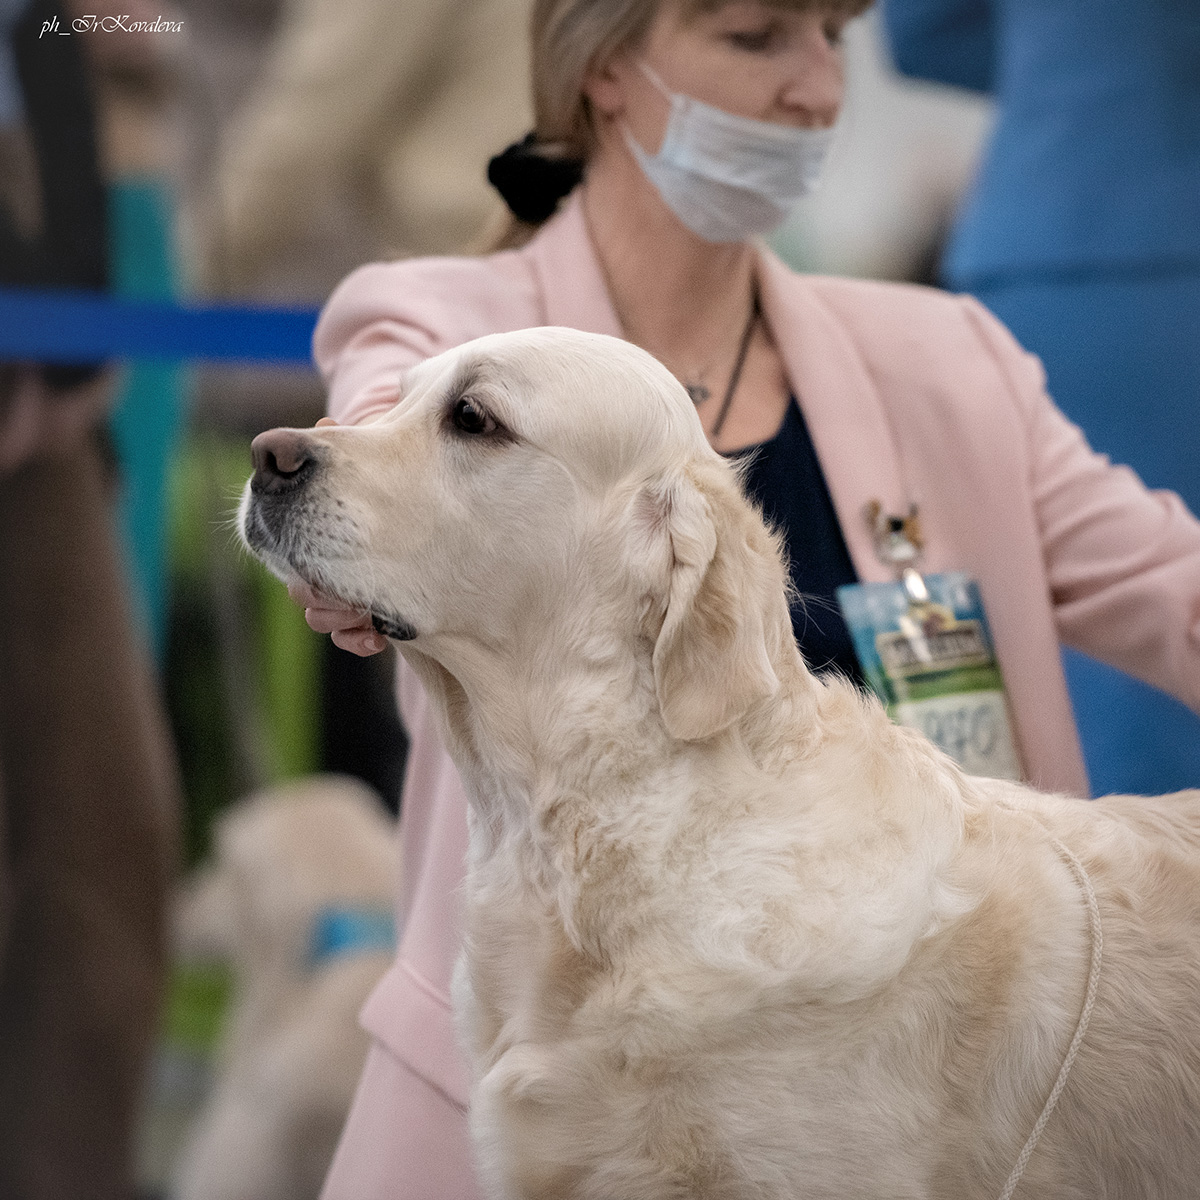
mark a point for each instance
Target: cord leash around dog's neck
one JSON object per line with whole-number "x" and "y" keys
{"x": 1085, "y": 884}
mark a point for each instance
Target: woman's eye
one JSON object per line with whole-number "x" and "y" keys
{"x": 471, "y": 419}
{"x": 754, "y": 40}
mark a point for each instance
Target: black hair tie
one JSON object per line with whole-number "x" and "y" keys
{"x": 532, "y": 183}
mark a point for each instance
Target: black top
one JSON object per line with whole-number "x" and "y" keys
{"x": 786, "y": 481}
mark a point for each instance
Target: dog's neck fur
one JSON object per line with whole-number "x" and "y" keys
{"x": 588, "y": 827}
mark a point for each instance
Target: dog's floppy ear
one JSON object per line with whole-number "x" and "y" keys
{"x": 725, "y": 605}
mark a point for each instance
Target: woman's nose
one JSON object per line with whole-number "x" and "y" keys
{"x": 815, "y": 88}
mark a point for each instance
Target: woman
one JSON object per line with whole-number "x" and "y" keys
{"x": 911, "y": 397}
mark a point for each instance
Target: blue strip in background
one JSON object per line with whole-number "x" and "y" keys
{"x": 80, "y": 327}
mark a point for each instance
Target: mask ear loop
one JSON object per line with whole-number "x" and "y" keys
{"x": 654, "y": 77}
{"x": 739, "y": 363}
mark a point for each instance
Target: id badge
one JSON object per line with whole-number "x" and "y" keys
{"x": 930, "y": 658}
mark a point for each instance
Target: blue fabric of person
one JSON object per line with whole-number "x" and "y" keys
{"x": 1082, "y": 233}
{"x": 784, "y": 478}
{"x": 1094, "y": 159}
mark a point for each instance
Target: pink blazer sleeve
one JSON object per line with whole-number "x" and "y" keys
{"x": 386, "y": 317}
{"x": 1123, "y": 561}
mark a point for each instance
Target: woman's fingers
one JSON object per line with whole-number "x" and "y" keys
{"x": 337, "y": 620}
{"x": 351, "y": 627}
{"x": 362, "y": 642}
{"x": 307, "y": 596}
{"x": 325, "y": 613}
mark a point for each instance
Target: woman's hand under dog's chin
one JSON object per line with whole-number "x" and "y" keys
{"x": 350, "y": 627}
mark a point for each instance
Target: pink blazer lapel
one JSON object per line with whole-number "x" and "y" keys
{"x": 842, "y": 407}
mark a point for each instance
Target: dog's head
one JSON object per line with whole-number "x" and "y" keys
{"x": 531, "y": 485}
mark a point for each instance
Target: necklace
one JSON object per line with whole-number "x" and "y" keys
{"x": 699, "y": 393}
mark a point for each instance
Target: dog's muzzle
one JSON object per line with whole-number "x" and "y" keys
{"x": 281, "y": 506}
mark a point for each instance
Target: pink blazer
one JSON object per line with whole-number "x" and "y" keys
{"x": 911, "y": 395}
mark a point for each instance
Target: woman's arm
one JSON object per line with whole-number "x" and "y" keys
{"x": 1123, "y": 562}
{"x": 386, "y": 317}
{"x": 946, "y": 41}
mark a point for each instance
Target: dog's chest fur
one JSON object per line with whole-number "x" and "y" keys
{"x": 658, "y": 1006}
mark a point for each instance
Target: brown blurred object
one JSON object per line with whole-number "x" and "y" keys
{"x": 135, "y": 76}
{"x": 88, "y": 792}
{"x": 35, "y": 417}
{"x": 88, "y": 807}
{"x": 319, "y": 135}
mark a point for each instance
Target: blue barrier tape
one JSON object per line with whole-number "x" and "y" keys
{"x": 81, "y": 327}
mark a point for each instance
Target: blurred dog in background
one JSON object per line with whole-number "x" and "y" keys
{"x": 298, "y": 898}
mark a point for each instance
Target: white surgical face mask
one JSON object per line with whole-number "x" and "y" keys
{"x": 728, "y": 177}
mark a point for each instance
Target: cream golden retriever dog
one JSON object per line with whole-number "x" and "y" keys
{"x": 729, "y": 932}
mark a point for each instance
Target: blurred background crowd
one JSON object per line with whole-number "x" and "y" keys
{"x": 255, "y": 153}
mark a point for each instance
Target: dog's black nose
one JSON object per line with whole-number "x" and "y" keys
{"x": 283, "y": 461}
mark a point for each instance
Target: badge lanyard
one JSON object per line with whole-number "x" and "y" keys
{"x": 925, "y": 649}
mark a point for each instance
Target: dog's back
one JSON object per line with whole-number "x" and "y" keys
{"x": 1126, "y": 1125}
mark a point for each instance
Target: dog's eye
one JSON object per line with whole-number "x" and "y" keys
{"x": 470, "y": 418}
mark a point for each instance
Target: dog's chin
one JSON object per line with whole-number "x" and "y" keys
{"x": 382, "y": 621}
{"x": 270, "y": 546}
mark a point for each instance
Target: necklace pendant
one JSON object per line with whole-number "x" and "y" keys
{"x": 698, "y": 392}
